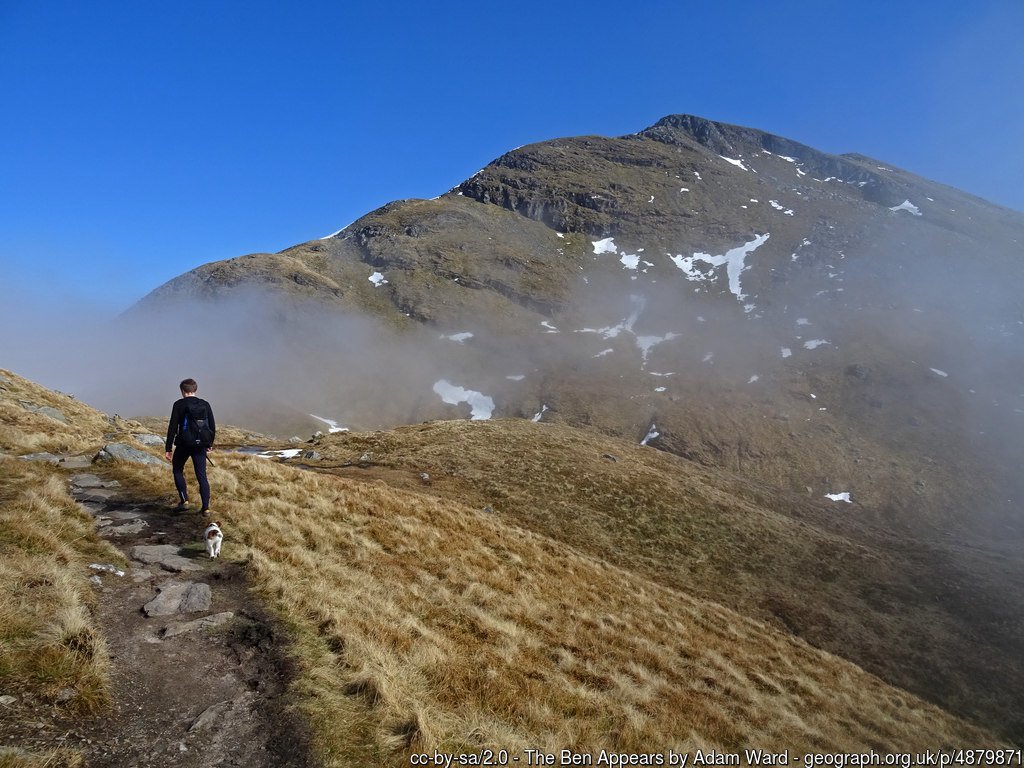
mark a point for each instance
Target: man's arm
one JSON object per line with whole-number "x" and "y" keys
{"x": 213, "y": 424}
{"x": 172, "y": 425}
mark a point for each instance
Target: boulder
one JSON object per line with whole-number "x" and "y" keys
{"x": 153, "y": 553}
{"x": 124, "y": 452}
{"x": 93, "y": 481}
{"x": 129, "y": 529}
{"x": 150, "y": 441}
{"x": 53, "y": 413}
{"x": 197, "y": 598}
{"x": 178, "y": 564}
{"x": 49, "y": 458}
{"x": 179, "y": 597}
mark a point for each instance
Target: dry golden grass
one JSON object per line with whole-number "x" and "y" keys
{"x": 420, "y": 623}
{"x": 810, "y": 566}
{"x": 24, "y": 431}
{"x": 51, "y": 758}
{"x": 48, "y": 638}
{"x": 424, "y": 624}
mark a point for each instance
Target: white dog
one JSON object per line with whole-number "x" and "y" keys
{"x": 213, "y": 537}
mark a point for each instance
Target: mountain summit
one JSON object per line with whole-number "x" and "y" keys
{"x": 825, "y": 323}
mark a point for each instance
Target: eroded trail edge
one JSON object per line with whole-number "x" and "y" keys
{"x": 199, "y": 671}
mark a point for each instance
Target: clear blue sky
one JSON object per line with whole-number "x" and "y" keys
{"x": 141, "y": 139}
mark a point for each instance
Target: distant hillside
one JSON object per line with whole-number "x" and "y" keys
{"x": 824, "y": 323}
{"x": 939, "y": 618}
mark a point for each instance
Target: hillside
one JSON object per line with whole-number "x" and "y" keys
{"x": 417, "y": 621}
{"x": 939, "y": 617}
{"x": 813, "y": 321}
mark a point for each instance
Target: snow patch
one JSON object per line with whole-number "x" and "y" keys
{"x": 651, "y": 434}
{"x": 287, "y": 453}
{"x": 937, "y": 372}
{"x": 737, "y": 163}
{"x": 629, "y": 260}
{"x": 907, "y": 206}
{"x": 733, "y": 259}
{"x": 785, "y": 352}
{"x": 647, "y": 343}
{"x": 844, "y": 496}
{"x": 377, "y": 279}
{"x": 461, "y": 337}
{"x": 753, "y": 378}
{"x": 605, "y": 246}
{"x": 516, "y": 377}
{"x": 659, "y": 389}
{"x": 625, "y": 325}
{"x": 481, "y": 405}
{"x": 332, "y": 425}
{"x": 549, "y": 328}
{"x": 537, "y": 416}
{"x": 815, "y": 343}
{"x": 604, "y": 352}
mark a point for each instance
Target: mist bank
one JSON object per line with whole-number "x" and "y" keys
{"x": 885, "y": 391}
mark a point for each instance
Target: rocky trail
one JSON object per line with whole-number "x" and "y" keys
{"x": 198, "y": 673}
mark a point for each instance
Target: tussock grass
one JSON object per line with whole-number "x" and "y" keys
{"x": 22, "y": 430}
{"x": 809, "y": 566}
{"x": 48, "y": 638}
{"x": 423, "y": 624}
{"x": 51, "y": 758}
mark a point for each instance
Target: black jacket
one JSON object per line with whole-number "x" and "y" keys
{"x": 178, "y": 416}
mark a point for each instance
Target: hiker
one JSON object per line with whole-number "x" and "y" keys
{"x": 192, "y": 431}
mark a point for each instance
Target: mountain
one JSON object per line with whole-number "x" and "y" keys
{"x": 824, "y": 323}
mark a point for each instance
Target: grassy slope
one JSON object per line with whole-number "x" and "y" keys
{"x": 421, "y": 622}
{"x": 48, "y": 640}
{"x": 426, "y": 624}
{"x": 942, "y": 622}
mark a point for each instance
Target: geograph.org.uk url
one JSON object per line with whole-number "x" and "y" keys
{"x": 940, "y": 757}
{"x": 950, "y": 757}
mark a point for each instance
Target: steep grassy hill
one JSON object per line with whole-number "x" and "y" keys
{"x": 422, "y": 622}
{"x": 941, "y": 617}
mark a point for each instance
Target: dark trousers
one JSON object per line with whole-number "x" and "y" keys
{"x": 198, "y": 456}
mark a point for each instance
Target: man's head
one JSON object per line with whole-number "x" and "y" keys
{"x": 188, "y": 387}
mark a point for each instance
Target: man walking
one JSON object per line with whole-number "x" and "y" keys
{"x": 192, "y": 431}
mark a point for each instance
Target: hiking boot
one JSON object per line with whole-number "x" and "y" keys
{"x": 205, "y": 511}
{"x": 182, "y": 506}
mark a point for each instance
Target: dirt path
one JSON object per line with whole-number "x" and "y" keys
{"x": 199, "y": 676}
